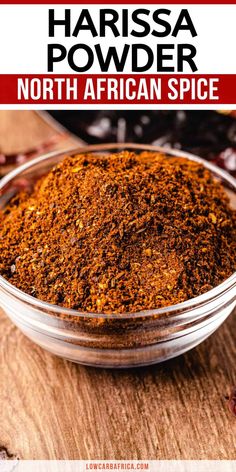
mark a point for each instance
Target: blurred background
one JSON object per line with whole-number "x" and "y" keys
{"x": 209, "y": 134}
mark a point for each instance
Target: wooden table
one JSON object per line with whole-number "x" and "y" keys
{"x": 52, "y": 409}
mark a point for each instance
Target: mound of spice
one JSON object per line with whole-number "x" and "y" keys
{"x": 119, "y": 233}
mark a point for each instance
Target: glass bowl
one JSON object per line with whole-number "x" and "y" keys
{"x": 133, "y": 339}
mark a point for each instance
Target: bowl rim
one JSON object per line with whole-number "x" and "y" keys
{"x": 192, "y": 303}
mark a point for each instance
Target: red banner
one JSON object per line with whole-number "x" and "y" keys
{"x": 118, "y": 2}
{"x": 117, "y": 89}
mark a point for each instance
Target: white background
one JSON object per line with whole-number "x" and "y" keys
{"x": 24, "y": 37}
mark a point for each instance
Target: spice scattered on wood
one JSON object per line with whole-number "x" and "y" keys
{"x": 232, "y": 401}
{"x": 119, "y": 233}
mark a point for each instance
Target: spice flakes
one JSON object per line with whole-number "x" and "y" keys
{"x": 119, "y": 233}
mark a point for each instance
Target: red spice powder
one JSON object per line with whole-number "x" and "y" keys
{"x": 119, "y": 233}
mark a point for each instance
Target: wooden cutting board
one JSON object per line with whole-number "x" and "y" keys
{"x": 24, "y": 131}
{"x": 53, "y": 409}
{"x": 26, "y": 134}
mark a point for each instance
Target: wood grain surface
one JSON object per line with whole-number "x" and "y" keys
{"x": 53, "y": 409}
{"x": 27, "y": 132}
{"x": 14, "y": 140}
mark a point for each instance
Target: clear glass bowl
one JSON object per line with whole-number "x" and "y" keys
{"x": 133, "y": 339}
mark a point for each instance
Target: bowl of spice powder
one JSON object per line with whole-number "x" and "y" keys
{"x": 118, "y": 255}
